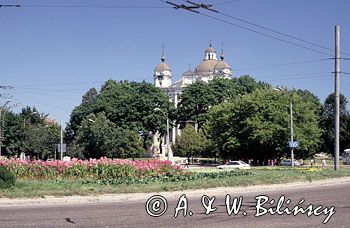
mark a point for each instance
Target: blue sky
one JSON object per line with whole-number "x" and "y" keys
{"x": 53, "y": 55}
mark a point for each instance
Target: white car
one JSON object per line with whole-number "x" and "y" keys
{"x": 288, "y": 162}
{"x": 234, "y": 165}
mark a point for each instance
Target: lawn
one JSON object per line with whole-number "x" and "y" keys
{"x": 257, "y": 176}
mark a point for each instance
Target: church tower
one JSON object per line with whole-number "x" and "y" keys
{"x": 222, "y": 69}
{"x": 162, "y": 74}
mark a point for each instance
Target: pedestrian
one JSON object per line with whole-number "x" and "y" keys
{"x": 186, "y": 164}
{"x": 312, "y": 162}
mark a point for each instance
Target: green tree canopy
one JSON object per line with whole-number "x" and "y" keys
{"x": 190, "y": 142}
{"x": 327, "y": 124}
{"x": 199, "y": 97}
{"x": 28, "y": 132}
{"x": 99, "y": 137}
{"x": 133, "y": 106}
{"x": 256, "y": 125}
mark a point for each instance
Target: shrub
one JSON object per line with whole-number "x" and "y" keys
{"x": 7, "y": 178}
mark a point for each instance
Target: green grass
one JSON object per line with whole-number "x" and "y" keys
{"x": 34, "y": 189}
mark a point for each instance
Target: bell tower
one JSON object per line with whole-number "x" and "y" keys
{"x": 162, "y": 73}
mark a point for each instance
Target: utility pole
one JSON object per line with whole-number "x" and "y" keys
{"x": 291, "y": 133}
{"x": 170, "y": 153}
{"x": 336, "y": 97}
{"x": 1, "y": 129}
{"x": 61, "y": 141}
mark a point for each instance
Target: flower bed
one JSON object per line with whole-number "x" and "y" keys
{"x": 108, "y": 171}
{"x": 95, "y": 169}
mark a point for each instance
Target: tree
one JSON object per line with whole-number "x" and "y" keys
{"x": 199, "y": 97}
{"x": 224, "y": 129}
{"x": 247, "y": 84}
{"x": 190, "y": 142}
{"x": 90, "y": 95}
{"x": 256, "y": 125}
{"x": 327, "y": 124}
{"x": 41, "y": 140}
{"x": 309, "y": 96}
{"x": 98, "y": 137}
{"x": 29, "y": 133}
{"x": 194, "y": 104}
{"x": 128, "y": 105}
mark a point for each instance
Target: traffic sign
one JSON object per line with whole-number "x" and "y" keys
{"x": 293, "y": 144}
{"x": 64, "y": 147}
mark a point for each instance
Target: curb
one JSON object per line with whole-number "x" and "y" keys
{"x": 129, "y": 197}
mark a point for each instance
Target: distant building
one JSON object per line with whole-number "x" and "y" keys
{"x": 49, "y": 121}
{"x": 207, "y": 70}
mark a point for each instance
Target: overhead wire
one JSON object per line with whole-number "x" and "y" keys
{"x": 96, "y": 6}
{"x": 224, "y": 14}
{"x": 268, "y": 35}
{"x": 38, "y": 100}
{"x": 74, "y": 83}
{"x": 293, "y": 75}
{"x": 280, "y": 33}
{"x": 302, "y": 77}
{"x": 283, "y": 64}
{"x": 46, "y": 94}
{"x": 264, "y": 34}
{"x": 32, "y": 88}
{"x": 227, "y": 2}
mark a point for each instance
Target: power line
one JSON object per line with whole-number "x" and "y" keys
{"x": 46, "y": 94}
{"x": 95, "y": 6}
{"x": 278, "y": 32}
{"x": 260, "y": 33}
{"x": 227, "y": 2}
{"x": 304, "y": 77}
{"x": 264, "y": 34}
{"x": 8, "y": 6}
{"x": 76, "y": 83}
{"x": 38, "y": 90}
{"x": 38, "y": 100}
{"x": 267, "y": 35}
{"x": 58, "y": 84}
{"x": 283, "y": 64}
{"x": 293, "y": 75}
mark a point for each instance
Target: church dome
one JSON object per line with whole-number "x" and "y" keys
{"x": 210, "y": 49}
{"x": 162, "y": 67}
{"x": 222, "y": 65}
{"x": 207, "y": 65}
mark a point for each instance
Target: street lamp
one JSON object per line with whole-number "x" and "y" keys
{"x": 279, "y": 89}
{"x": 169, "y": 152}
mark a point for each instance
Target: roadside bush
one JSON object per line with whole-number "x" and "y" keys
{"x": 7, "y": 179}
{"x": 170, "y": 177}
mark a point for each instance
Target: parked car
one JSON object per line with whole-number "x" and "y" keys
{"x": 346, "y": 157}
{"x": 234, "y": 165}
{"x": 288, "y": 162}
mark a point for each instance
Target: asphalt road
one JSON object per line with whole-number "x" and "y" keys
{"x": 134, "y": 214}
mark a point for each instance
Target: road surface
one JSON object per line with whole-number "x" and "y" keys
{"x": 133, "y": 213}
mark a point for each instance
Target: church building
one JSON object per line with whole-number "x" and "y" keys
{"x": 208, "y": 69}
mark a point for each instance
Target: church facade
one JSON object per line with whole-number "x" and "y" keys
{"x": 207, "y": 70}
